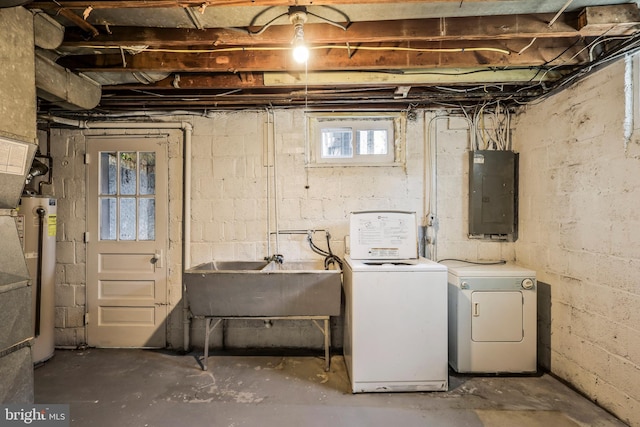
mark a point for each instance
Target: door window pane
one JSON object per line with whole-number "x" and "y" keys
{"x": 128, "y": 218}
{"x": 147, "y": 219}
{"x": 147, "y": 173}
{"x": 128, "y": 178}
{"x": 108, "y": 218}
{"x": 108, "y": 173}
{"x": 128, "y": 172}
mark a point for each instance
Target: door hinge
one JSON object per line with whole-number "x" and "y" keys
{"x": 87, "y": 158}
{"x": 86, "y": 318}
{"x": 86, "y": 237}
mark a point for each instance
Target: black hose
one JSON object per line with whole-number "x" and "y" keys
{"x": 329, "y": 257}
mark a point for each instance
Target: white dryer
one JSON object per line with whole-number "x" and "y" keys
{"x": 492, "y": 318}
{"x": 395, "y": 327}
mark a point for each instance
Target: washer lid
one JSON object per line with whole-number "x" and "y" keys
{"x": 398, "y": 265}
{"x": 383, "y": 235}
{"x": 465, "y": 269}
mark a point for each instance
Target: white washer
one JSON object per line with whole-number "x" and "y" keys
{"x": 492, "y": 318}
{"x": 395, "y": 331}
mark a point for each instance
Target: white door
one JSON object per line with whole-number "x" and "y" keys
{"x": 127, "y": 240}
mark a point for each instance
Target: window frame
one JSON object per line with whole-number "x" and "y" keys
{"x": 393, "y": 122}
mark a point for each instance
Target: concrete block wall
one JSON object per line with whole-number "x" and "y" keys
{"x": 232, "y": 215}
{"x": 67, "y": 150}
{"x": 68, "y": 147}
{"x": 451, "y": 139}
{"x": 230, "y": 209}
{"x": 579, "y": 221}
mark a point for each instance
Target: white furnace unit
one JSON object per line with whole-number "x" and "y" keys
{"x": 492, "y": 318}
{"x": 395, "y": 336}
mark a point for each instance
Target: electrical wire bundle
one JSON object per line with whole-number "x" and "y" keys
{"x": 492, "y": 127}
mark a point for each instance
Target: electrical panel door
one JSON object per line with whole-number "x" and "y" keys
{"x": 493, "y": 194}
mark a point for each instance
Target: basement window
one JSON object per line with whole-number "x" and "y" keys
{"x": 356, "y": 140}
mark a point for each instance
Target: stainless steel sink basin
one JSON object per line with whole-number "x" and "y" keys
{"x": 260, "y": 289}
{"x": 231, "y": 266}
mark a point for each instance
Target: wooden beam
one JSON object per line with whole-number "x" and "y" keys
{"x": 326, "y": 58}
{"x": 605, "y": 19}
{"x": 438, "y": 29}
{"x": 119, "y": 4}
{"x": 77, "y": 20}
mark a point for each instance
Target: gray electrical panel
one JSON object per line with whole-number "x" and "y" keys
{"x": 493, "y": 195}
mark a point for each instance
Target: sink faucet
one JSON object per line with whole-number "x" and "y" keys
{"x": 275, "y": 257}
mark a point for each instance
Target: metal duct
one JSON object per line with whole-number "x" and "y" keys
{"x": 48, "y": 33}
{"x": 13, "y": 3}
{"x": 118, "y": 77}
{"x": 64, "y": 88}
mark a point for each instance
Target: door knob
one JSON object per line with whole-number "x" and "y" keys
{"x": 156, "y": 259}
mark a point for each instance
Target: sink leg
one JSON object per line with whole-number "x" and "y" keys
{"x": 208, "y": 321}
{"x": 206, "y": 343}
{"x": 327, "y": 345}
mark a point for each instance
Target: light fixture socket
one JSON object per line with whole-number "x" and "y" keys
{"x": 298, "y": 17}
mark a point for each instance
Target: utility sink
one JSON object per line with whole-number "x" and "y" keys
{"x": 263, "y": 289}
{"x": 231, "y": 266}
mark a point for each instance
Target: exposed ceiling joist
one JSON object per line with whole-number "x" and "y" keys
{"x": 418, "y": 30}
{"x": 117, "y": 4}
{"x": 383, "y": 53}
{"x": 339, "y": 57}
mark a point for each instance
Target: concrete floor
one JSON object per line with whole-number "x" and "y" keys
{"x": 159, "y": 388}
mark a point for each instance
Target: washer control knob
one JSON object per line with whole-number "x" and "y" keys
{"x": 527, "y": 283}
{"x": 464, "y": 285}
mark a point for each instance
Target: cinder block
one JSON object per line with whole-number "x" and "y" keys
{"x": 65, "y": 252}
{"x": 81, "y": 295}
{"x": 245, "y": 209}
{"x": 75, "y": 317}
{"x": 60, "y": 317}
{"x": 75, "y": 274}
{"x": 66, "y": 337}
{"x": 65, "y": 295}
{"x": 234, "y": 231}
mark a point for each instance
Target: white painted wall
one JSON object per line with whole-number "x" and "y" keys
{"x": 579, "y": 222}
{"x": 229, "y": 212}
{"x": 229, "y": 209}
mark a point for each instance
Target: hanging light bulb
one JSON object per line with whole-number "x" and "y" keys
{"x": 301, "y": 53}
{"x": 298, "y": 16}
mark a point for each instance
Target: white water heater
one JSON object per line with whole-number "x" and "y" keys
{"x": 37, "y": 225}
